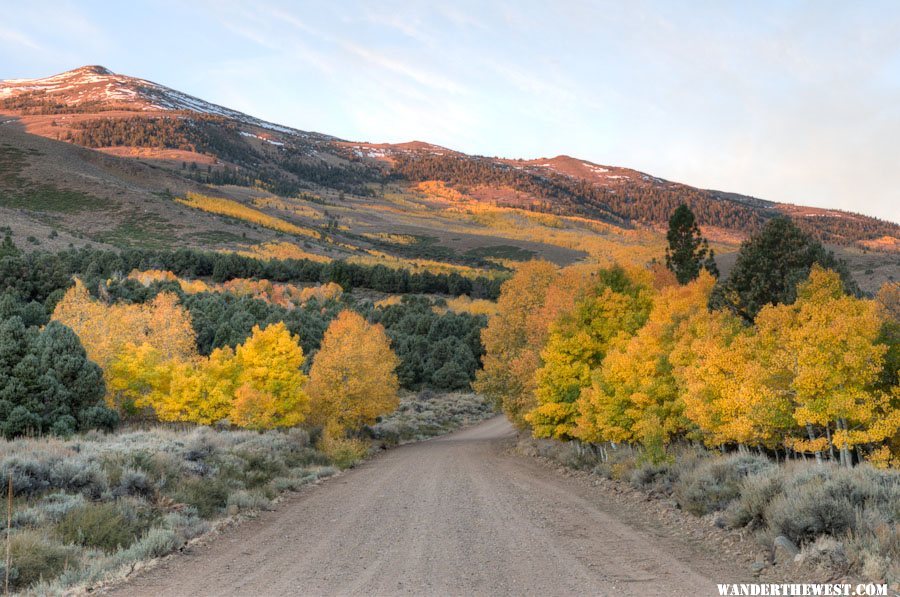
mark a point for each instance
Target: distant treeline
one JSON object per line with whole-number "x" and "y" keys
{"x": 40, "y": 276}
{"x": 286, "y": 169}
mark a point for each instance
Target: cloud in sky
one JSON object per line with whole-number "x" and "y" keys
{"x": 796, "y": 101}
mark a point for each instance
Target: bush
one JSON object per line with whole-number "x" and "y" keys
{"x": 107, "y": 526}
{"x": 802, "y": 517}
{"x": 715, "y": 483}
{"x": 756, "y": 493}
{"x": 244, "y": 500}
{"x": 826, "y": 500}
{"x": 47, "y": 383}
{"x": 208, "y": 496}
{"x": 34, "y": 557}
{"x": 93, "y": 492}
{"x": 655, "y": 477}
{"x": 134, "y": 483}
{"x": 428, "y": 414}
{"x": 344, "y": 452}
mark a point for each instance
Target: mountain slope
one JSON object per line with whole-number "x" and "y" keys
{"x": 199, "y": 143}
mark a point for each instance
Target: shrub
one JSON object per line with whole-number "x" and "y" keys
{"x": 82, "y": 475}
{"x": 90, "y": 493}
{"x": 826, "y": 500}
{"x": 107, "y": 526}
{"x": 655, "y": 477}
{"x": 715, "y": 483}
{"x": 208, "y": 496}
{"x": 756, "y": 493}
{"x": 826, "y": 554}
{"x": 344, "y": 452}
{"x": 34, "y": 557}
{"x": 244, "y": 500}
{"x": 428, "y": 414}
{"x": 804, "y": 516}
{"x": 134, "y": 483}
{"x": 47, "y": 383}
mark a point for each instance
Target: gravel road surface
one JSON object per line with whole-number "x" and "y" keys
{"x": 456, "y": 515}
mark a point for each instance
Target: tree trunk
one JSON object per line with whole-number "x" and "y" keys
{"x": 830, "y": 443}
{"x": 812, "y": 437}
{"x": 846, "y": 459}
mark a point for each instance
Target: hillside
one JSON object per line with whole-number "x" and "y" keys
{"x": 107, "y": 159}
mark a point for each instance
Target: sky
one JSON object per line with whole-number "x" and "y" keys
{"x": 787, "y": 101}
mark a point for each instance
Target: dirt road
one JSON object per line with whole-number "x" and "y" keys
{"x": 457, "y": 515}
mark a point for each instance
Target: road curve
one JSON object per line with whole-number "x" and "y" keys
{"x": 457, "y": 515}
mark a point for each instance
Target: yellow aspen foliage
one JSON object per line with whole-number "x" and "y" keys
{"x": 284, "y": 295}
{"x": 234, "y": 209}
{"x": 352, "y": 380}
{"x": 268, "y": 368}
{"x": 727, "y": 383}
{"x": 614, "y": 308}
{"x": 100, "y": 335}
{"x": 162, "y": 324}
{"x": 465, "y": 304}
{"x": 322, "y": 292}
{"x": 511, "y": 357}
{"x": 138, "y": 376}
{"x": 889, "y": 298}
{"x": 254, "y": 409}
{"x": 832, "y": 358}
{"x": 199, "y": 391}
{"x": 168, "y": 327}
{"x": 281, "y": 250}
{"x": 258, "y": 386}
{"x": 634, "y": 396}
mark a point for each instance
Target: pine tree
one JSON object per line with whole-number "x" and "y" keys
{"x": 770, "y": 265}
{"x": 8, "y": 247}
{"x": 688, "y": 252}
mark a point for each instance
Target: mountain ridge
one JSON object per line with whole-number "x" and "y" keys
{"x": 128, "y": 116}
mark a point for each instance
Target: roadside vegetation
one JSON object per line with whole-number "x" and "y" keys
{"x": 830, "y": 520}
{"x": 428, "y": 414}
{"x": 696, "y": 387}
{"x": 89, "y": 508}
{"x": 264, "y": 385}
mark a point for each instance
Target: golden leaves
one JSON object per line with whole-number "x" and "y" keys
{"x": 352, "y": 380}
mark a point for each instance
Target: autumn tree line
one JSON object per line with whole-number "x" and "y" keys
{"x": 784, "y": 356}
{"x": 84, "y": 346}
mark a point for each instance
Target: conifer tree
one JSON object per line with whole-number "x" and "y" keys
{"x": 769, "y": 267}
{"x": 688, "y": 252}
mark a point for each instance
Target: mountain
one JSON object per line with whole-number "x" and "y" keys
{"x": 119, "y": 145}
{"x": 93, "y": 107}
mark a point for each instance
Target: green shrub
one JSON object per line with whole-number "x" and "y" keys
{"x": 344, "y": 452}
{"x": 34, "y": 557}
{"x": 107, "y": 526}
{"x": 827, "y": 499}
{"x": 208, "y": 496}
{"x": 244, "y": 500}
{"x": 713, "y": 484}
